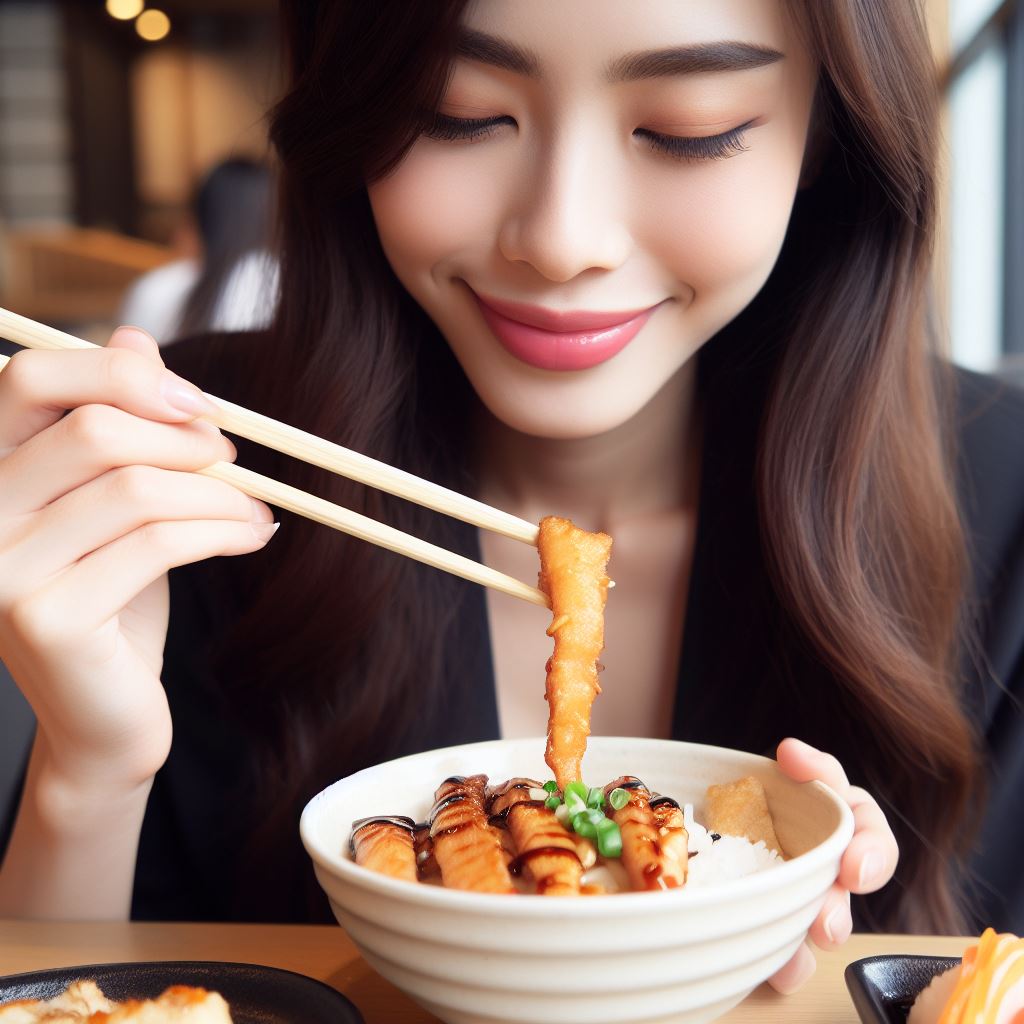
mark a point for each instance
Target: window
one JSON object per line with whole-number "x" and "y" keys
{"x": 985, "y": 93}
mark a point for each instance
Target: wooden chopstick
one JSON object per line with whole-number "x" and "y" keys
{"x": 309, "y": 448}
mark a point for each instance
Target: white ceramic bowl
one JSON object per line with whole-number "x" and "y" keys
{"x": 685, "y": 955}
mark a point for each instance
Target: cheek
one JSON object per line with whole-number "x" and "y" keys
{"x": 429, "y": 210}
{"x": 721, "y": 231}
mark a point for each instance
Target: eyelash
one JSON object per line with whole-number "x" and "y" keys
{"x": 705, "y": 147}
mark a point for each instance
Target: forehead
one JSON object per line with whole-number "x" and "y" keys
{"x": 598, "y": 31}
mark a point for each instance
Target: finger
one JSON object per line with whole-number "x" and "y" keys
{"x": 834, "y": 923}
{"x": 114, "y": 505}
{"x": 804, "y": 763}
{"x": 94, "y": 439}
{"x": 37, "y": 388}
{"x": 87, "y": 595}
{"x": 871, "y": 858}
{"x": 136, "y": 340}
{"x": 796, "y": 973}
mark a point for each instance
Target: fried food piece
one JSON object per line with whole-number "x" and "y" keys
{"x": 468, "y": 850}
{"x": 180, "y": 1003}
{"x": 84, "y": 1003}
{"x": 545, "y": 849}
{"x": 647, "y": 863}
{"x": 385, "y": 844}
{"x": 500, "y": 798}
{"x": 78, "y": 1002}
{"x": 673, "y": 839}
{"x": 740, "y": 808}
{"x": 573, "y": 564}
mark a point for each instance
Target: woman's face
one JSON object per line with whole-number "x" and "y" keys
{"x": 605, "y": 186}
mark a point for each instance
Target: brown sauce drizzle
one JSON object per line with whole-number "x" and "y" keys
{"x": 445, "y": 801}
{"x": 663, "y": 801}
{"x": 523, "y": 860}
{"x": 506, "y": 787}
{"x": 500, "y": 820}
{"x": 398, "y": 820}
{"x": 630, "y": 782}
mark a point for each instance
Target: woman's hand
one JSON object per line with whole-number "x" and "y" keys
{"x": 867, "y": 864}
{"x": 98, "y": 499}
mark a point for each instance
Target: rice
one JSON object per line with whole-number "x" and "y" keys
{"x": 725, "y": 858}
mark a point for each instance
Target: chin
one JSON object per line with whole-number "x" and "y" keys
{"x": 560, "y": 413}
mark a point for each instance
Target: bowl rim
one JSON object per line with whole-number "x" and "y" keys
{"x": 622, "y": 904}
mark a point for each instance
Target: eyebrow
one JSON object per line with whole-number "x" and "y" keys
{"x": 700, "y": 58}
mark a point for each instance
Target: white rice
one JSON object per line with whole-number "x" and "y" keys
{"x": 725, "y": 858}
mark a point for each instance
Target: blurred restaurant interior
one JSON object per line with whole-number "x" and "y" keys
{"x": 110, "y": 114}
{"x": 112, "y": 111}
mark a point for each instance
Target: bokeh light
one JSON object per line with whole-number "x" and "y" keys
{"x": 152, "y": 25}
{"x": 125, "y": 10}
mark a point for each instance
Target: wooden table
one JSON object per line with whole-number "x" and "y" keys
{"x": 328, "y": 954}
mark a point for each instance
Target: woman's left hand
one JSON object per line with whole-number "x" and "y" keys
{"x": 867, "y": 864}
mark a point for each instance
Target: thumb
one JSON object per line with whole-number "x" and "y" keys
{"x": 136, "y": 339}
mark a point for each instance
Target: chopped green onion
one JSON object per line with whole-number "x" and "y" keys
{"x": 609, "y": 839}
{"x": 582, "y": 827}
{"x": 578, "y": 788}
{"x": 595, "y": 798}
{"x": 551, "y": 786}
{"x": 594, "y": 816}
{"x": 552, "y": 802}
{"x": 562, "y": 814}
{"x": 574, "y": 802}
{"x": 618, "y": 798}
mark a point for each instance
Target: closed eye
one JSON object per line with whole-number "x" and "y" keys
{"x": 698, "y": 147}
{"x": 445, "y": 128}
{"x": 451, "y": 129}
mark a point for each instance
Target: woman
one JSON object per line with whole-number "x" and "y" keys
{"x": 748, "y": 186}
{"x": 226, "y": 281}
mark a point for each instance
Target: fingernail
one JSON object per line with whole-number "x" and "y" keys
{"x": 129, "y": 329}
{"x": 185, "y": 397}
{"x": 838, "y": 925}
{"x": 803, "y": 744}
{"x": 264, "y": 531}
{"x": 260, "y": 512}
{"x": 796, "y": 973}
{"x": 870, "y": 870}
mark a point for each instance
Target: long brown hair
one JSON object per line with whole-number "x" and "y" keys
{"x": 854, "y": 530}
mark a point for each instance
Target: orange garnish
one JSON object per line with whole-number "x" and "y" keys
{"x": 990, "y": 970}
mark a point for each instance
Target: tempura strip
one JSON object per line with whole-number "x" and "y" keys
{"x": 467, "y": 849}
{"x": 673, "y": 839}
{"x": 385, "y": 844}
{"x": 544, "y": 849}
{"x": 646, "y": 864}
{"x": 740, "y": 808}
{"x": 573, "y": 564}
{"x": 500, "y": 798}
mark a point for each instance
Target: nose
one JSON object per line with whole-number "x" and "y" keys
{"x": 568, "y": 214}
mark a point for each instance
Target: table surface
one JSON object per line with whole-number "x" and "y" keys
{"x": 326, "y": 953}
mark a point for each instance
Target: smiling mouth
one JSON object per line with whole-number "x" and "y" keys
{"x": 555, "y": 340}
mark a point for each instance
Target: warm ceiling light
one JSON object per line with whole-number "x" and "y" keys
{"x": 125, "y": 10}
{"x": 152, "y": 25}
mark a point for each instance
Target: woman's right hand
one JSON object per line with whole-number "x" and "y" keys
{"x": 98, "y": 499}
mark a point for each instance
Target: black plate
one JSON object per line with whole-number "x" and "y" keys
{"x": 256, "y": 995}
{"x": 883, "y": 988}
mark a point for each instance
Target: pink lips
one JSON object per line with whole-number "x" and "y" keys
{"x": 551, "y": 340}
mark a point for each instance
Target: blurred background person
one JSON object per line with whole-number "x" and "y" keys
{"x": 227, "y": 278}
